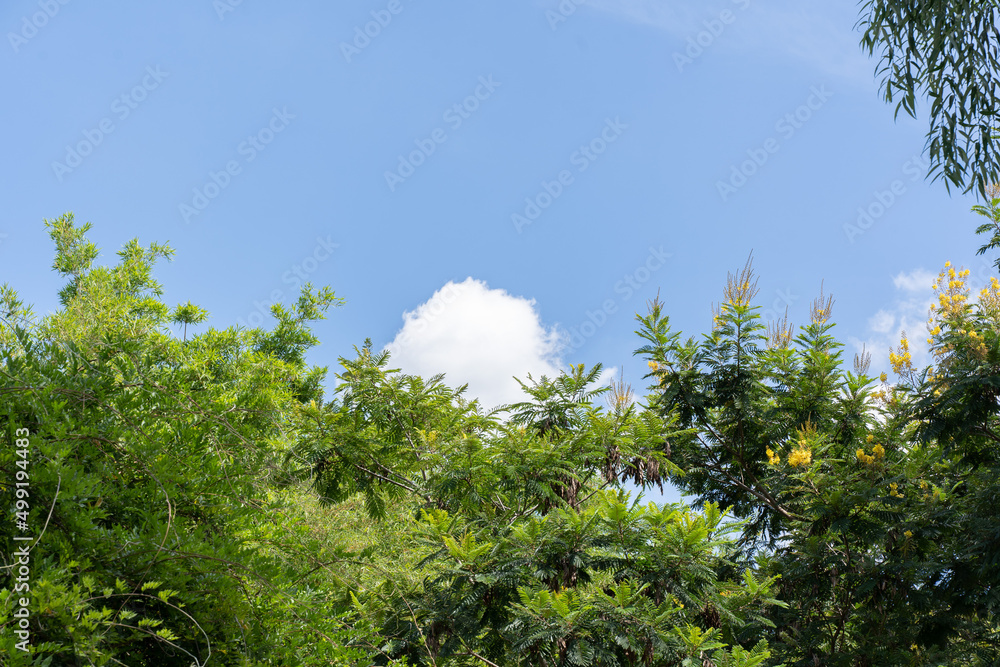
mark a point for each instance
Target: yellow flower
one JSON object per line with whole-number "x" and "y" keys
{"x": 883, "y": 377}
{"x": 908, "y": 534}
{"x": 653, "y": 366}
{"x": 947, "y": 263}
{"x": 865, "y": 458}
{"x": 773, "y": 458}
{"x": 800, "y": 457}
{"x": 869, "y": 438}
{"x": 879, "y": 451}
{"x": 936, "y": 331}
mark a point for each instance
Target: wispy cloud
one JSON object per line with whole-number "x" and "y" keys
{"x": 905, "y": 314}
{"x": 822, "y": 36}
{"x": 908, "y": 313}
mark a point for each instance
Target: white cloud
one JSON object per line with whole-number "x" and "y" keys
{"x": 881, "y": 322}
{"x": 671, "y": 17}
{"x": 918, "y": 280}
{"x": 822, "y": 36}
{"x": 907, "y": 314}
{"x": 480, "y": 336}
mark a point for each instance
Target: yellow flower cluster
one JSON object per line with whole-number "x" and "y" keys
{"x": 929, "y": 491}
{"x": 953, "y": 308}
{"x": 900, "y": 360}
{"x": 894, "y": 490}
{"x": 740, "y": 289}
{"x": 740, "y": 295}
{"x": 878, "y": 453}
{"x": 989, "y": 298}
{"x": 800, "y": 457}
{"x": 908, "y": 533}
{"x": 653, "y": 366}
{"x": 953, "y": 300}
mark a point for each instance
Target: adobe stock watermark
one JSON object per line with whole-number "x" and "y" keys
{"x": 381, "y": 18}
{"x": 786, "y": 127}
{"x": 782, "y": 302}
{"x": 249, "y": 148}
{"x": 565, "y": 9}
{"x": 295, "y": 277}
{"x": 627, "y": 287}
{"x": 704, "y": 39}
{"x": 883, "y": 200}
{"x": 122, "y": 107}
{"x": 581, "y": 158}
{"x": 37, "y": 21}
{"x": 454, "y": 116}
{"x": 21, "y": 557}
{"x": 223, "y": 7}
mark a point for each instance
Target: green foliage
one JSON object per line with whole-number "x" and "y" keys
{"x": 990, "y": 211}
{"x": 173, "y": 528}
{"x": 868, "y": 500}
{"x": 148, "y": 465}
{"x": 529, "y": 555}
{"x": 947, "y": 51}
{"x": 199, "y": 499}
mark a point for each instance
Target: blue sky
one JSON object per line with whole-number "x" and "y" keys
{"x": 536, "y": 165}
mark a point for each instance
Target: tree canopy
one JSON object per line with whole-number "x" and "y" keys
{"x": 194, "y": 496}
